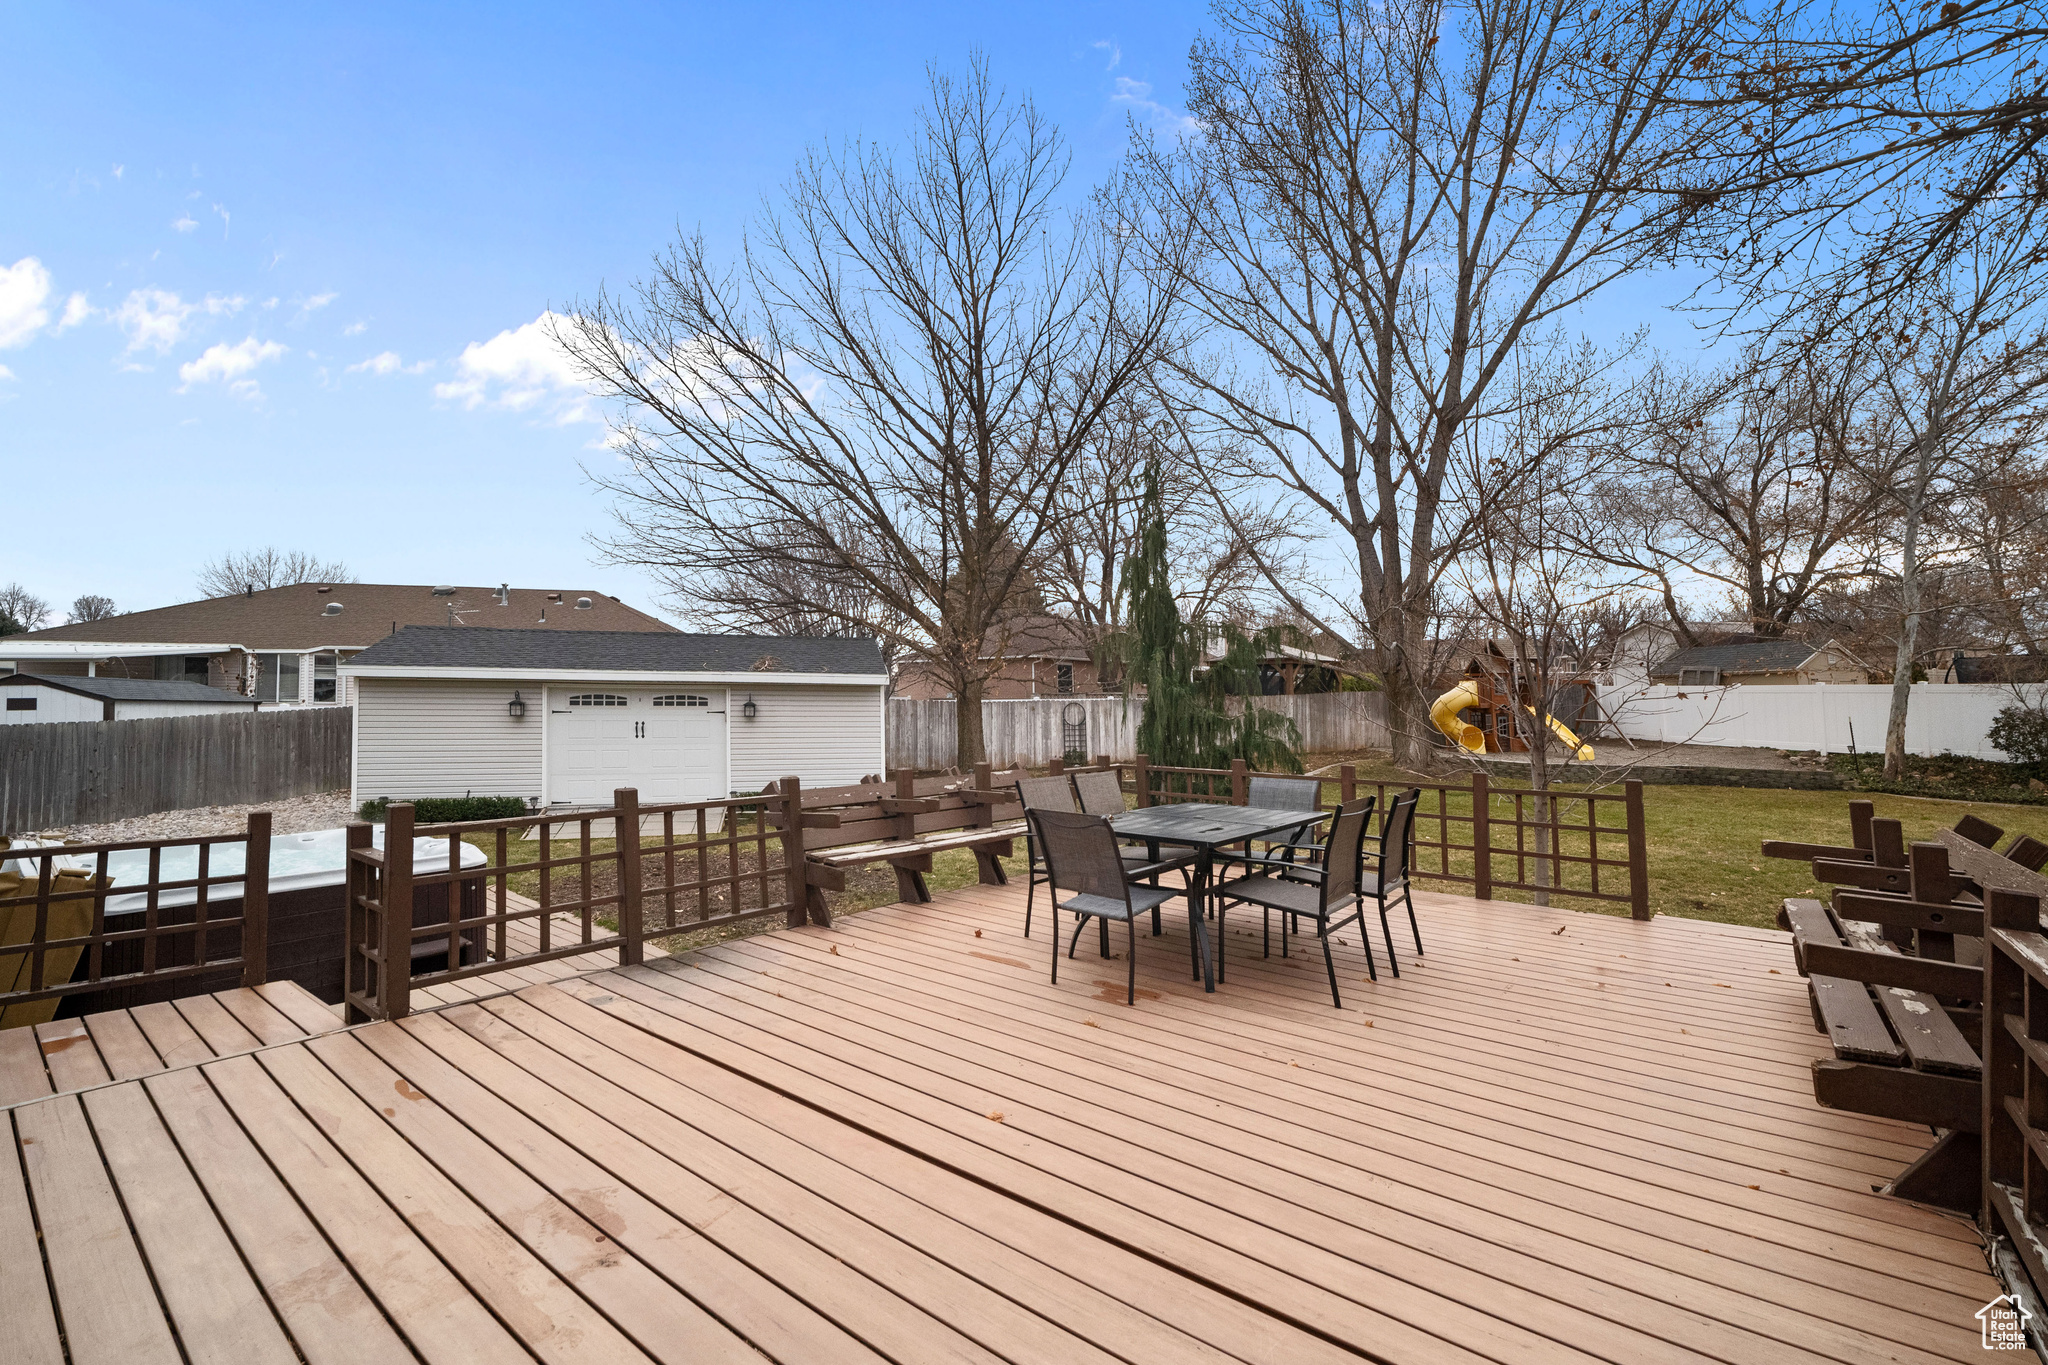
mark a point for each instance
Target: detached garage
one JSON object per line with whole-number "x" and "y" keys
{"x": 34, "y": 700}
{"x": 568, "y": 717}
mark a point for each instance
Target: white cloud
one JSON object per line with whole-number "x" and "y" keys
{"x": 221, "y": 209}
{"x": 229, "y": 364}
{"x": 318, "y": 301}
{"x": 76, "y": 311}
{"x": 1138, "y": 94}
{"x": 1109, "y": 45}
{"x": 520, "y": 370}
{"x": 6, "y": 374}
{"x": 355, "y": 329}
{"x": 154, "y": 318}
{"x": 23, "y": 288}
{"x": 388, "y": 362}
{"x": 119, "y": 169}
{"x": 228, "y": 304}
{"x": 184, "y": 222}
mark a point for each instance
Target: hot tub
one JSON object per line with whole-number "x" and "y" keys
{"x": 308, "y": 881}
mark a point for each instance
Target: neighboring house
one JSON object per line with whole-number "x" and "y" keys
{"x": 1040, "y": 656}
{"x": 283, "y": 646}
{"x": 566, "y": 717}
{"x": 1985, "y": 666}
{"x": 1755, "y": 662}
{"x": 32, "y": 700}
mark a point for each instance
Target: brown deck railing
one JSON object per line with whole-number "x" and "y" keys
{"x": 2014, "y": 1210}
{"x": 717, "y": 863}
{"x": 54, "y": 938}
{"x": 1585, "y": 845}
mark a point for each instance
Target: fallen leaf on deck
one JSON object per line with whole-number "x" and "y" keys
{"x": 1756, "y": 1187}
{"x": 1724, "y": 985}
{"x": 1368, "y": 1023}
{"x": 1089, "y": 1023}
{"x": 835, "y": 950}
{"x": 1560, "y": 928}
{"x": 996, "y": 1116}
{"x": 1776, "y": 972}
{"x": 977, "y": 933}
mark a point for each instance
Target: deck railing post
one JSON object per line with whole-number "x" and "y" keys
{"x": 1638, "y": 850}
{"x": 1482, "y": 837}
{"x": 394, "y": 923}
{"x": 1055, "y": 768}
{"x": 1141, "y": 778}
{"x": 256, "y": 901}
{"x": 1240, "y": 783}
{"x": 791, "y": 790}
{"x": 1102, "y": 761}
{"x": 626, "y": 845}
{"x": 1347, "y": 784}
{"x": 984, "y": 780}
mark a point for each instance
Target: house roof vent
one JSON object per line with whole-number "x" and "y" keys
{"x": 444, "y": 591}
{"x": 583, "y": 604}
{"x": 331, "y": 609}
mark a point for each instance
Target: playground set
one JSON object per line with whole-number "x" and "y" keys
{"x": 1492, "y": 699}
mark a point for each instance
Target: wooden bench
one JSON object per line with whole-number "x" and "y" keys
{"x": 905, "y": 821}
{"x": 1897, "y": 1024}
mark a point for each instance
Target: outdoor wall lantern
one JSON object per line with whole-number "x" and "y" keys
{"x": 750, "y": 710}
{"x": 517, "y": 706}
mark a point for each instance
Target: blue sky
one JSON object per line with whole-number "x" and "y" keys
{"x": 263, "y": 269}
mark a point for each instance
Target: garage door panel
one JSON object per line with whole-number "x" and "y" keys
{"x": 671, "y": 752}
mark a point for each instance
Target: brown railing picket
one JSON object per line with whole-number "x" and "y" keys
{"x": 626, "y": 844}
{"x": 256, "y": 901}
{"x": 800, "y": 907}
{"x": 1482, "y": 837}
{"x": 394, "y": 916}
{"x": 1638, "y": 850}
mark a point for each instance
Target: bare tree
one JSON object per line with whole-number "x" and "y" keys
{"x": 21, "y": 610}
{"x": 1753, "y": 482}
{"x": 1383, "y": 218}
{"x": 91, "y": 607}
{"x": 235, "y": 573}
{"x": 1961, "y": 391}
{"x": 886, "y": 391}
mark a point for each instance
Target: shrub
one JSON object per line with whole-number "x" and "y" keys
{"x": 2022, "y": 732}
{"x": 443, "y": 810}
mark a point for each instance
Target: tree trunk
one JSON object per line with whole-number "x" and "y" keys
{"x": 1909, "y": 634}
{"x": 1408, "y": 723}
{"x": 968, "y": 749}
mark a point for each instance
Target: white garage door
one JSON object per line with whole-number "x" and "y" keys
{"x": 668, "y": 743}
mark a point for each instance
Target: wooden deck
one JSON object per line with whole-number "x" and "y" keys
{"x": 1565, "y": 1137}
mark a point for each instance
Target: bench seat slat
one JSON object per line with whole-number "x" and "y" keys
{"x": 1809, "y": 922}
{"x": 1852, "y": 1022}
{"x": 1930, "y": 1037}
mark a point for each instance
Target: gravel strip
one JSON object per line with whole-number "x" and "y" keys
{"x": 328, "y": 810}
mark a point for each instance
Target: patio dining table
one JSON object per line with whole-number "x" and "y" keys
{"x": 1205, "y": 828}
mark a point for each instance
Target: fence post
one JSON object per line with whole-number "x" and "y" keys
{"x": 1102, "y": 761}
{"x": 394, "y": 921}
{"x": 1141, "y": 777}
{"x": 1240, "y": 783}
{"x": 1482, "y": 836}
{"x": 1056, "y": 767}
{"x": 256, "y": 901}
{"x": 791, "y": 790}
{"x": 626, "y": 847}
{"x": 1638, "y": 851}
{"x": 1347, "y": 784}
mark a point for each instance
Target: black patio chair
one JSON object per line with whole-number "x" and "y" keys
{"x": 1332, "y": 901}
{"x": 1292, "y": 850}
{"x": 1040, "y": 793}
{"x": 1102, "y": 794}
{"x": 1084, "y": 865}
{"x": 1389, "y": 875}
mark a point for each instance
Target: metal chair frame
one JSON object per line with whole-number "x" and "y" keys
{"x": 1325, "y": 901}
{"x": 1040, "y": 793}
{"x": 1082, "y": 860}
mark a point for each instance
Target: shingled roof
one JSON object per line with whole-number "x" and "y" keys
{"x": 1743, "y": 656}
{"x": 131, "y": 689}
{"x": 587, "y": 651}
{"x": 293, "y": 617}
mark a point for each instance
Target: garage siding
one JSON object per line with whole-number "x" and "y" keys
{"x": 824, "y": 735}
{"x": 440, "y": 738}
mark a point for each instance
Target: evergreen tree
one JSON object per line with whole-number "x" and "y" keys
{"x": 1187, "y": 722}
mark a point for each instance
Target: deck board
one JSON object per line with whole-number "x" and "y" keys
{"x": 896, "y": 1140}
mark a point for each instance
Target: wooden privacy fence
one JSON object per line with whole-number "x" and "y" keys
{"x": 1034, "y": 732}
{"x": 85, "y": 772}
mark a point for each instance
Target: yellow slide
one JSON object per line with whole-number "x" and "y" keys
{"x": 1444, "y": 712}
{"x": 1563, "y": 732}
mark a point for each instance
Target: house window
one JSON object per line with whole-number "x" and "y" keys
{"x": 1063, "y": 678}
{"x": 189, "y": 668}
{"x": 277, "y": 677}
{"x": 597, "y": 699}
{"x": 323, "y": 676}
{"x": 21, "y": 703}
{"x": 1699, "y": 677}
{"x": 681, "y": 699}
